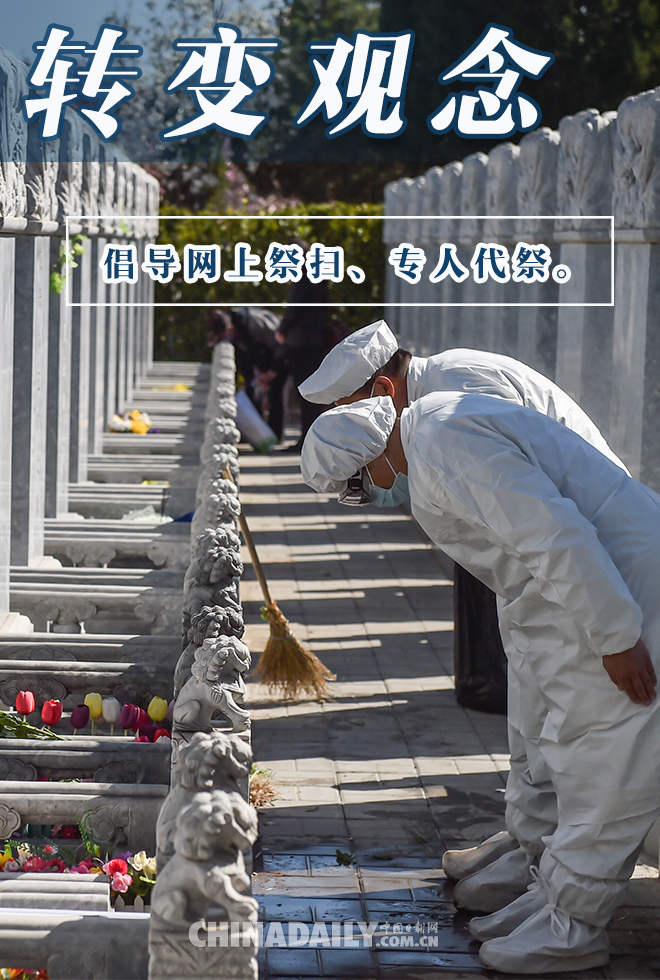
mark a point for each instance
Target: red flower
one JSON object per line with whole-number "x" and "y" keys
{"x": 161, "y": 733}
{"x": 129, "y": 717}
{"x": 51, "y": 712}
{"x": 55, "y": 866}
{"x": 34, "y": 863}
{"x": 116, "y": 866}
{"x": 25, "y": 702}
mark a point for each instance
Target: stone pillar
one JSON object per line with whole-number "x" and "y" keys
{"x": 7, "y": 267}
{"x": 59, "y": 394}
{"x": 448, "y": 230}
{"x": 415, "y": 291}
{"x": 537, "y": 195}
{"x": 30, "y": 374}
{"x": 390, "y": 233}
{"x": 584, "y": 334}
{"x": 429, "y": 316}
{"x": 111, "y": 397}
{"x": 122, "y": 332}
{"x": 501, "y": 322}
{"x": 80, "y": 356}
{"x": 634, "y": 430}
{"x": 97, "y": 352}
{"x": 473, "y": 202}
{"x": 402, "y": 230}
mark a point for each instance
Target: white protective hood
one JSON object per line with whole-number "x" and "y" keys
{"x": 343, "y": 440}
{"x": 350, "y": 364}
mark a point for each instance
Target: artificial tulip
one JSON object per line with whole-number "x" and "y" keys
{"x": 161, "y": 733}
{"x": 95, "y": 704}
{"x": 143, "y": 719}
{"x": 157, "y": 709}
{"x": 129, "y": 717}
{"x": 51, "y": 712}
{"x": 79, "y": 717}
{"x": 111, "y": 712}
{"x": 25, "y": 703}
{"x": 149, "y": 731}
{"x": 170, "y": 710}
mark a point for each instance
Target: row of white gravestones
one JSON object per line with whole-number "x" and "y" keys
{"x": 606, "y": 357}
{"x": 68, "y": 361}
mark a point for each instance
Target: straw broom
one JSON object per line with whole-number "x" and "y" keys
{"x": 285, "y": 665}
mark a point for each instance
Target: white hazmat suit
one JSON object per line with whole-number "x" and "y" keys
{"x": 571, "y": 546}
{"x": 531, "y": 810}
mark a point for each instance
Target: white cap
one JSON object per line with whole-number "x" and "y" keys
{"x": 350, "y": 364}
{"x": 343, "y": 440}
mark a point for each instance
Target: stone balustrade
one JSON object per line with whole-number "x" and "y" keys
{"x": 607, "y": 358}
{"x": 207, "y": 826}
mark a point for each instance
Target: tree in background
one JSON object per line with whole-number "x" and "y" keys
{"x": 605, "y": 50}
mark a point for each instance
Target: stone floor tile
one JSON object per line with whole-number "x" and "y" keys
{"x": 352, "y": 963}
{"x": 285, "y": 863}
{"x": 292, "y": 963}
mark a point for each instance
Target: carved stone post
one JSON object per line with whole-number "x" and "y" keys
{"x": 501, "y": 322}
{"x": 448, "y": 230}
{"x": 537, "y": 195}
{"x": 402, "y": 229}
{"x": 584, "y": 334}
{"x": 97, "y": 350}
{"x": 470, "y": 231}
{"x": 29, "y": 398}
{"x": 634, "y": 430}
{"x": 429, "y": 316}
{"x": 59, "y": 394}
{"x": 7, "y": 267}
{"x": 390, "y": 233}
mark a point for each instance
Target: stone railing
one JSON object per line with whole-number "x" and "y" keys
{"x": 607, "y": 358}
{"x": 73, "y": 366}
{"x": 207, "y": 826}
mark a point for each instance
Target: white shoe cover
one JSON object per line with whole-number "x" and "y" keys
{"x": 497, "y": 885}
{"x": 548, "y": 942}
{"x": 459, "y": 864}
{"x": 502, "y": 923}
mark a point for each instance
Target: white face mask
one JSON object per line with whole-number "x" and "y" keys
{"x": 395, "y": 495}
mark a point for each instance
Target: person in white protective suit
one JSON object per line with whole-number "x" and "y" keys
{"x": 571, "y": 545}
{"x": 370, "y": 362}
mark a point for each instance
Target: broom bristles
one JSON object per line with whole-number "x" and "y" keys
{"x": 289, "y": 667}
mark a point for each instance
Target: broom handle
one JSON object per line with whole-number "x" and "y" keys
{"x": 258, "y": 568}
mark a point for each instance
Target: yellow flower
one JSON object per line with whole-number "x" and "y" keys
{"x": 4, "y": 858}
{"x": 157, "y": 709}
{"x": 95, "y": 704}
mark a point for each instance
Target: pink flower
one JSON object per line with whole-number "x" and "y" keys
{"x": 116, "y": 866}
{"x": 121, "y": 882}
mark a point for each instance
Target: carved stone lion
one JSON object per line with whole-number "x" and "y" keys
{"x": 215, "y": 677}
{"x": 207, "y": 868}
{"x": 208, "y": 761}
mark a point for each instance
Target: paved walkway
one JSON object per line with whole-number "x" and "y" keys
{"x": 390, "y": 773}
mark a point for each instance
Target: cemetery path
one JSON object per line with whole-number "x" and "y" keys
{"x": 374, "y": 785}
